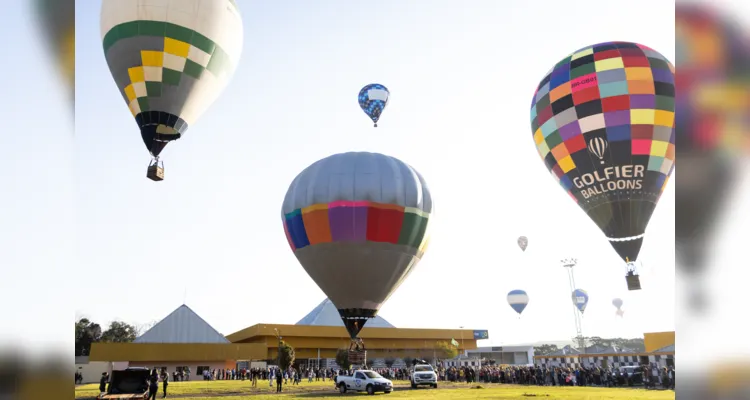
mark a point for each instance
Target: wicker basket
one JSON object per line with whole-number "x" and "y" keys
{"x": 358, "y": 357}
{"x": 634, "y": 281}
{"x": 155, "y": 173}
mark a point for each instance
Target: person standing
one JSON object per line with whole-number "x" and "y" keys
{"x": 103, "y": 382}
{"x": 165, "y": 382}
{"x": 153, "y": 386}
{"x": 278, "y": 381}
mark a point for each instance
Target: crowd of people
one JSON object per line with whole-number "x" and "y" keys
{"x": 651, "y": 376}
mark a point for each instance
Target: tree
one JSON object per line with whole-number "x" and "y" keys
{"x": 287, "y": 355}
{"x": 545, "y": 349}
{"x": 143, "y": 328}
{"x": 342, "y": 359}
{"x": 119, "y": 332}
{"x": 389, "y": 362}
{"x": 86, "y": 333}
{"x": 408, "y": 361}
{"x": 446, "y": 350}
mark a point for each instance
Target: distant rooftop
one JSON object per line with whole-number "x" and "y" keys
{"x": 326, "y": 314}
{"x": 183, "y": 325}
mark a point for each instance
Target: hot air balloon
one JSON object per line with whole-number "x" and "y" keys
{"x": 603, "y": 122}
{"x": 58, "y": 24}
{"x": 170, "y": 61}
{"x": 358, "y": 224}
{"x": 580, "y": 299}
{"x": 523, "y": 242}
{"x": 618, "y": 304}
{"x": 372, "y": 99}
{"x": 712, "y": 130}
{"x": 518, "y": 300}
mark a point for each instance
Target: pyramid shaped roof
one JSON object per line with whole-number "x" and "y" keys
{"x": 183, "y": 325}
{"x": 326, "y": 314}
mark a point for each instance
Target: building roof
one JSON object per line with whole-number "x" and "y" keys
{"x": 506, "y": 349}
{"x": 608, "y": 350}
{"x": 565, "y": 351}
{"x": 665, "y": 349}
{"x": 326, "y": 314}
{"x": 183, "y": 325}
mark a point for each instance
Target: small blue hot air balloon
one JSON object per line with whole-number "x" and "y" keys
{"x": 580, "y": 299}
{"x": 372, "y": 99}
{"x": 518, "y": 300}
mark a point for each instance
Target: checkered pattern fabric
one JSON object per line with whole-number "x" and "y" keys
{"x": 373, "y": 99}
{"x": 603, "y": 123}
{"x": 167, "y": 74}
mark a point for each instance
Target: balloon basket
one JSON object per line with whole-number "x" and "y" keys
{"x": 633, "y": 281}
{"x": 358, "y": 357}
{"x": 155, "y": 173}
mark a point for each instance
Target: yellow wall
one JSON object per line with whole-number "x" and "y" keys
{"x": 656, "y": 340}
{"x": 176, "y": 352}
{"x": 288, "y": 331}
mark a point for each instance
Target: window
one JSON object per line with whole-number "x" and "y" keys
{"x": 359, "y": 375}
{"x": 202, "y": 368}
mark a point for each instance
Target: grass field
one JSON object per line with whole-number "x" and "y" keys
{"x": 241, "y": 390}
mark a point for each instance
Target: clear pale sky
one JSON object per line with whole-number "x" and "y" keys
{"x": 461, "y": 75}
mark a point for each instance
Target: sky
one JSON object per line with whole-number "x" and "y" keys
{"x": 461, "y": 77}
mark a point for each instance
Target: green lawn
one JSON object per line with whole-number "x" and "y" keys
{"x": 241, "y": 390}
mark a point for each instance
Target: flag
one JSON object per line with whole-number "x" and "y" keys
{"x": 454, "y": 342}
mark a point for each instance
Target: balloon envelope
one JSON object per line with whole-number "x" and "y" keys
{"x": 617, "y": 303}
{"x": 523, "y": 242}
{"x": 580, "y": 299}
{"x": 518, "y": 300}
{"x": 358, "y": 224}
{"x": 170, "y": 60}
{"x": 603, "y": 122}
{"x": 372, "y": 99}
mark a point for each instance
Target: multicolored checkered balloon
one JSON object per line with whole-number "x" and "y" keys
{"x": 603, "y": 122}
{"x": 372, "y": 100}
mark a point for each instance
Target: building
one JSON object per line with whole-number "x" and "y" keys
{"x": 659, "y": 350}
{"x": 90, "y": 371}
{"x": 504, "y": 355}
{"x": 181, "y": 341}
{"x": 184, "y": 341}
{"x": 320, "y": 334}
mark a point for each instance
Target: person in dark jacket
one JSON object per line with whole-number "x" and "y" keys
{"x": 103, "y": 382}
{"x": 278, "y": 381}
{"x": 165, "y": 382}
{"x": 153, "y": 385}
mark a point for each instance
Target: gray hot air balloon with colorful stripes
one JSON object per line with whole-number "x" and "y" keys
{"x": 358, "y": 223}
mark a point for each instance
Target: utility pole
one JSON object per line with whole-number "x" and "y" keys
{"x": 569, "y": 263}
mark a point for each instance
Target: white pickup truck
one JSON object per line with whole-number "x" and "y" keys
{"x": 423, "y": 374}
{"x": 364, "y": 381}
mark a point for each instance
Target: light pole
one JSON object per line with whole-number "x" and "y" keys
{"x": 569, "y": 263}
